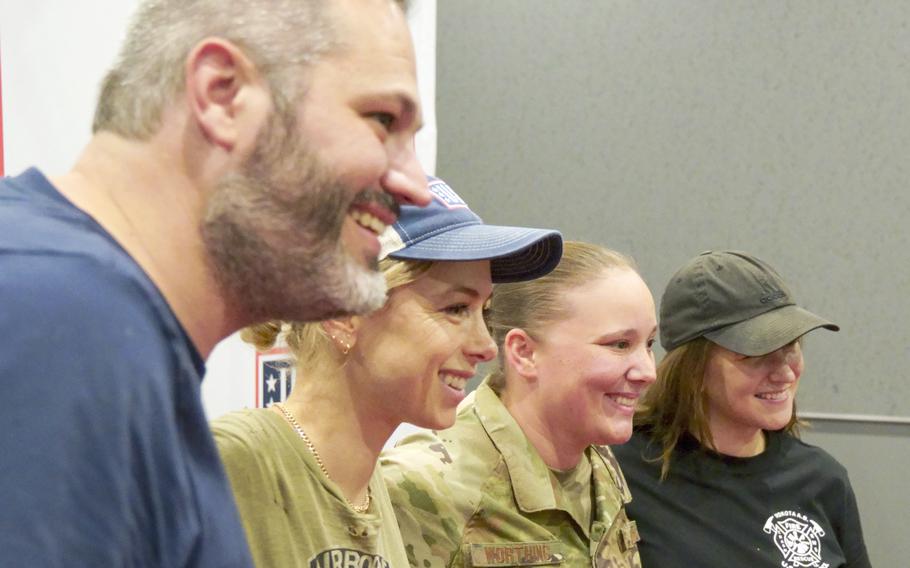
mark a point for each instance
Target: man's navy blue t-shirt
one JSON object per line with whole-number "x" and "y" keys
{"x": 105, "y": 454}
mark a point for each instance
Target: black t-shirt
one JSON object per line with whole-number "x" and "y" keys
{"x": 790, "y": 507}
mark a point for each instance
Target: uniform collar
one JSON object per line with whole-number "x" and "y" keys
{"x": 530, "y": 475}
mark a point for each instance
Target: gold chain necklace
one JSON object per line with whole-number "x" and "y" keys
{"x": 363, "y": 507}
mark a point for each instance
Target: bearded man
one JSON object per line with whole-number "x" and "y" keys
{"x": 244, "y": 158}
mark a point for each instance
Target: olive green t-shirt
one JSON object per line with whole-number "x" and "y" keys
{"x": 572, "y": 489}
{"x": 293, "y": 515}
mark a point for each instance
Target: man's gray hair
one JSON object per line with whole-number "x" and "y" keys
{"x": 279, "y": 36}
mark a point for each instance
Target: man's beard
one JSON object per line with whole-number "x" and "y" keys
{"x": 273, "y": 233}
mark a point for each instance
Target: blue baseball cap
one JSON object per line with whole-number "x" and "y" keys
{"x": 447, "y": 230}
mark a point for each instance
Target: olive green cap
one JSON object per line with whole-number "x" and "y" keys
{"x": 735, "y": 300}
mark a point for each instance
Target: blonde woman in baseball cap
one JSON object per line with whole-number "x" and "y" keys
{"x": 718, "y": 474}
{"x": 304, "y": 469}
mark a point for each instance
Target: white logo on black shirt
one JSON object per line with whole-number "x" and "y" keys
{"x": 798, "y": 538}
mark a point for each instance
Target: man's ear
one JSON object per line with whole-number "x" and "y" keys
{"x": 519, "y": 350}
{"x": 227, "y": 96}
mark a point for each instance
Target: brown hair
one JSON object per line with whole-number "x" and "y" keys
{"x": 677, "y": 402}
{"x": 533, "y": 304}
{"x": 308, "y": 341}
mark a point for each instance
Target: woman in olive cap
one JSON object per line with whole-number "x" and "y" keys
{"x": 718, "y": 474}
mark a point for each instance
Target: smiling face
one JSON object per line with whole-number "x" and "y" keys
{"x": 360, "y": 114}
{"x": 412, "y": 359}
{"x": 749, "y": 394}
{"x": 593, "y": 364}
{"x": 294, "y": 233}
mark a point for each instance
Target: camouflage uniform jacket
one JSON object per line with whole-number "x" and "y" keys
{"x": 479, "y": 494}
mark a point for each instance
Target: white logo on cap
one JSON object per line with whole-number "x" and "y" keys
{"x": 446, "y": 195}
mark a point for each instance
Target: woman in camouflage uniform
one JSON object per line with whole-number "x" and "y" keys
{"x": 304, "y": 471}
{"x": 524, "y": 477}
